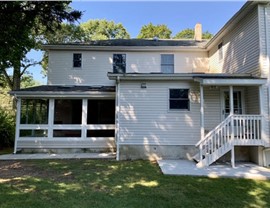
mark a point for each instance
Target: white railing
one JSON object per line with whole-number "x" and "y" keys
{"x": 234, "y": 130}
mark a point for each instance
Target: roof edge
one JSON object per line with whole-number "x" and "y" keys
{"x": 247, "y": 7}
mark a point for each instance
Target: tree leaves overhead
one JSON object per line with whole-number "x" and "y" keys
{"x": 103, "y": 29}
{"x": 189, "y": 34}
{"x": 21, "y": 22}
{"x": 152, "y": 31}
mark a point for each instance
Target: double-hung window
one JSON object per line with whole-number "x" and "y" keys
{"x": 119, "y": 63}
{"x": 167, "y": 63}
{"x": 179, "y": 99}
{"x": 77, "y": 60}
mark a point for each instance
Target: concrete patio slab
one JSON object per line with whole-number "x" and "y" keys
{"x": 58, "y": 156}
{"x": 242, "y": 170}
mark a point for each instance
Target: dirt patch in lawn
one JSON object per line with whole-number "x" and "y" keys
{"x": 15, "y": 169}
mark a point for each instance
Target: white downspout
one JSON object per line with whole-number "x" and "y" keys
{"x": 202, "y": 119}
{"x": 117, "y": 118}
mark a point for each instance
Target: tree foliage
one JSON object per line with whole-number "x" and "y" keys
{"x": 7, "y": 128}
{"x": 189, "y": 34}
{"x": 103, "y": 29}
{"x": 20, "y": 23}
{"x": 152, "y": 31}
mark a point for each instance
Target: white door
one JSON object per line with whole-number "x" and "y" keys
{"x": 237, "y": 103}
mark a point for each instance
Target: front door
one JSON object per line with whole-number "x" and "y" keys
{"x": 237, "y": 103}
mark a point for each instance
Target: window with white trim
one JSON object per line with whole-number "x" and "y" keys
{"x": 167, "y": 63}
{"x": 119, "y": 63}
{"x": 77, "y": 60}
{"x": 179, "y": 99}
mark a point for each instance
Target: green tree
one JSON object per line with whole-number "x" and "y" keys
{"x": 21, "y": 22}
{"x": 189, "y": 34}
{"x": 102, "y": 30}
{"x": 152, "y": 31}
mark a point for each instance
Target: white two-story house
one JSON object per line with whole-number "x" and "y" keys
{"x": 157, "y": 98}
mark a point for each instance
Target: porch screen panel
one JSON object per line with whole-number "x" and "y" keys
{"x": 34, "y": 111}
{"x": 101, "y": 112}
{"x": 68, "y": 111}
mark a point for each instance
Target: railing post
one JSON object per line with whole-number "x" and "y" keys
{"x": 201, "y": 155}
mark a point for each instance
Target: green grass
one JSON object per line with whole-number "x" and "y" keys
{"x": 101, "y": 183}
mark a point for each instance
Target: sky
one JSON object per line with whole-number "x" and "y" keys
{"x": 177, "y": 15}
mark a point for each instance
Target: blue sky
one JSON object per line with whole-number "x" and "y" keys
{"x": 177, "y": 15}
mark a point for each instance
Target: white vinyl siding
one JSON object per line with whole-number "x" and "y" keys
{"x": 145, "y": 118}
{"x": 241, "y": 51}
{"x": 212, "y": 107}
{"x": 252, "y": 100}
{"x": 95, "y": 66}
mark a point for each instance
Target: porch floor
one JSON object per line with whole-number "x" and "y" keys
{"x": 241, "y": 170}
{"x": 58, "y": 156}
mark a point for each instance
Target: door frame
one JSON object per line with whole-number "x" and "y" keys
{"x": 222, "y": 100}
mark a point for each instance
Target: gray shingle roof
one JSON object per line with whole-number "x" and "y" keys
{"x": 65, "y": 88}
{"x": 141, "y": 42}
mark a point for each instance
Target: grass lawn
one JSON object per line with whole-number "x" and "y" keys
{"x": 104, "y": 183}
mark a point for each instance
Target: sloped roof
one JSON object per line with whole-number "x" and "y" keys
{"x": 63, "y": 90}
{"x": 132, "y": 43}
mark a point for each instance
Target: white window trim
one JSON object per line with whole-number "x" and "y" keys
{"x": 173, "y": 62}
{"x": 77, "y": 68}
{"x": 178, "y": 110}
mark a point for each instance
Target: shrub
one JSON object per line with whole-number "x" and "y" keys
{"x": 7, "y": 128}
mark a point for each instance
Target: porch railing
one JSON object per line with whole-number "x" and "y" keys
{"x": 243, "y": 130}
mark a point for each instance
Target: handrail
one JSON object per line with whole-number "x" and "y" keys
{"x": 234, "y": 130}
{"x": 213, "y": 130}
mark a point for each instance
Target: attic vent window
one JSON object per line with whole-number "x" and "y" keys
{"x": 77, "y": 60}
{"x": 119, "y": 63}
{"x": 220, "y": 51}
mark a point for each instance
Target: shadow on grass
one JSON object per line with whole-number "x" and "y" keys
{"x": 97, "y": 183}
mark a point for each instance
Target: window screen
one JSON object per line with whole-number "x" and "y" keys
{"x": 179, "y": 99}
{"x": 77, "y": 60}
{"x": 167, "y": 63}
{"x": 119, "y": 63}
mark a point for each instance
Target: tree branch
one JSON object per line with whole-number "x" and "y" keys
{"x": 28, "y": 65}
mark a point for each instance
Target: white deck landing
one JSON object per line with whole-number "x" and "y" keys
{"x": 241, "y": 170}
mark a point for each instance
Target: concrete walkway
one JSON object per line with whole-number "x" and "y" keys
{"x": 58, "y": 156}
{"x": 242, "y": 170}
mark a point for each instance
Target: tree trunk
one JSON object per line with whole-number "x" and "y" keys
{"x": 16, "y": 78}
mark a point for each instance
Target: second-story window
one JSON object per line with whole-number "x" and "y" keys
{"x": 167, "y": 63}
{"x": 119, "y": 63}
{"x": 77, "y": 60}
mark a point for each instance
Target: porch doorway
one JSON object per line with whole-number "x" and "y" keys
{"x": 238, "y": 101}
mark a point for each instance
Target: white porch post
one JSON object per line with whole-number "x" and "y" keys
{"x": 18, "y": 119}
{"x": 262, "y": 112}
{"x": 84, "y": 118}
{"x": 231, "y": 100}
{"x": 232, "y": 127}
{"x": 51, "y": 118}
{"x": 202, "y": 118}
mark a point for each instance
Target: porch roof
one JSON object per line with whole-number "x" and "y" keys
{"x": 202, "y": 78}
{"x": 65, "y": 91}
{"x": 230, "y": 79}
